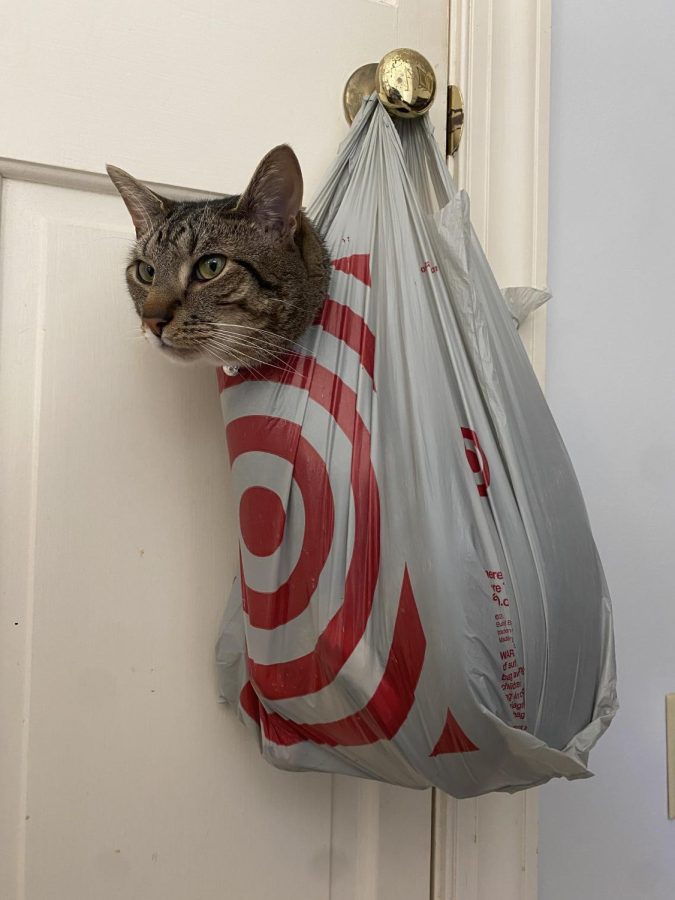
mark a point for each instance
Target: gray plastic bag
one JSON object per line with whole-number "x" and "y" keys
{"x": 420, "y": 599}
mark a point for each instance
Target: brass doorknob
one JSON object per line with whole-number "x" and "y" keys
{"x": 360, "y": 84}
{"x": 404, "y": 80}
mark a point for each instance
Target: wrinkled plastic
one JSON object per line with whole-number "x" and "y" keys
{"x": 523, "y": 301}
{"x": 420, "y": 599}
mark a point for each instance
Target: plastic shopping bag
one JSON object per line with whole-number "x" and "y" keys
{"x": 420, "y": 599}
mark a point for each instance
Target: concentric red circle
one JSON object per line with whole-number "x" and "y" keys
{"x": 281, "y": 438}
{"x": 261, "y": 519}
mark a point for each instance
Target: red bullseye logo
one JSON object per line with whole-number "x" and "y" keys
{"x": 283, "y": 439}
{"x": 266, "y": 529}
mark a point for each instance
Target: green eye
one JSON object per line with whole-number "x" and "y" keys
{"x": 209, "y": 266}
{"x": 145, "y": 272}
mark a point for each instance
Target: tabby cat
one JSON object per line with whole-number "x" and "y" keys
{"x": 232, "y": 281}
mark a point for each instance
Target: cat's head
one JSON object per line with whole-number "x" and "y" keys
{"x": 232, "y": 281}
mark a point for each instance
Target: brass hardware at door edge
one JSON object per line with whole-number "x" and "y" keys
{"x": 406, "y": 85}
{"x": 404, "y": 80}
{"x": 455, "y": 125}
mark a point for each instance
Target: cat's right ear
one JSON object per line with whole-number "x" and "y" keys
{"x": 145, "y": 207}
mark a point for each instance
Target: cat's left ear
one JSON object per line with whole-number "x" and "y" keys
{"x": 145, "y": 206}
{"x": 274, "y": 195}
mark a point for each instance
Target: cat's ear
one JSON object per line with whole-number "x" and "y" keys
{"x": 145, "y": 207}
{"x": 274, "y": 195}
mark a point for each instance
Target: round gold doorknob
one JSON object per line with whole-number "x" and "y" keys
{"x": 406, "y": 83}
{"x": 360, "y": 84}
{"x": 404, "y": 80}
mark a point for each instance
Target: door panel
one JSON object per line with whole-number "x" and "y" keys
{"x": 192, "y": 92}
{"x": 121, "y": 775}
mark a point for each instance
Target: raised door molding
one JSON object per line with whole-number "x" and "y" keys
{"x": 500, "y": 58}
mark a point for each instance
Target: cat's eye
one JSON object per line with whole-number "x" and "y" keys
{"x": 145, "y": 272}
{"x": 209, "y": 266}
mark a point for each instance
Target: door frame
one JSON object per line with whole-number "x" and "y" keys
{"x": 500, "y": 58}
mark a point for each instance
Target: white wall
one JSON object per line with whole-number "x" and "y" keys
{"x": 611, "y": 385}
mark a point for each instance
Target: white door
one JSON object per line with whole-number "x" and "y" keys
{"x": 121, "y": 776}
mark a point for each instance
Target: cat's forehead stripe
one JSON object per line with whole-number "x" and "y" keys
{"x": 190, "y": 226}
{"x": 174, "y": 232}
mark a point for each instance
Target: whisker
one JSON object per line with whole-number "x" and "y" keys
{"x": 263, "y": 331}
{"x": 244, "y": 365}
{"x": 254, "y": 341}
{"x": 263, "y": 347}
{"x": 219, "y": 359}
{"x": 268, "y": 361}
{"x": 211, "y": 353}
{"x": 246, "y": 348}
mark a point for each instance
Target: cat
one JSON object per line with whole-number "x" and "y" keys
{"x": 232, "y": 281}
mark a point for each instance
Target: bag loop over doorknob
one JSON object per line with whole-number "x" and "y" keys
{"x": 404, "y": 80}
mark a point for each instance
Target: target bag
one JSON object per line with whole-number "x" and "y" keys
{"x": 420, "y": 599}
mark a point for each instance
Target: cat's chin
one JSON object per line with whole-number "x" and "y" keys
{"x": 188, "y": 357}
{"x": 192, "y": 357}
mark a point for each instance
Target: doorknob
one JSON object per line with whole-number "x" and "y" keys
{"x": 404, "y": 80}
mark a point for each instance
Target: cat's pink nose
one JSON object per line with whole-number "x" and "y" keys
{"x": 156, "y": 326}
